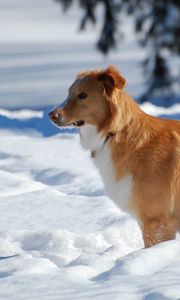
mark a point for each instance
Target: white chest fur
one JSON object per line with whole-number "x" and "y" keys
{"x": 118, "y": 190}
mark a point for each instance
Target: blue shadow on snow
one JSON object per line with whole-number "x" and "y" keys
{"x": 45, "y": 127}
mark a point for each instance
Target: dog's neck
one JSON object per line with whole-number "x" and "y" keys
{"x": 90, "y": 138}
{"x": 108, "y": 137}
{"x": 129, "y": 125}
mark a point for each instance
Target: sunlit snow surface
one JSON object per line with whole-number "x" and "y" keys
{"x": 24, "y": 114}
{"x": 60, "y": 236}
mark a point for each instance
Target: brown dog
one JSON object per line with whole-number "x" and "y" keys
{"x": 138, "y": 155}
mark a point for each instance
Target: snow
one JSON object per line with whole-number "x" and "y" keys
{"x": 154, "y": 110}
{"x": 61, "y": 237}
{"x": 23, "y": 114}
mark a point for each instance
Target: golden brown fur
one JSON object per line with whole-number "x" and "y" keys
{"x": 146, "y": 147}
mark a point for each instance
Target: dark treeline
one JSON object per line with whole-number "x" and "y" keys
{"x": 157, "y": 27}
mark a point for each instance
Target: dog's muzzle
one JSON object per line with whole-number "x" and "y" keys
{"x": 57, "y": 118}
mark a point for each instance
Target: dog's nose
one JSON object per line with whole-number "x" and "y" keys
{"x": 54, "y": 115}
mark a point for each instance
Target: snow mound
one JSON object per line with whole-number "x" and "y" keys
{"x": 29, "y": 252}
{"x": 61, "y": 236}
{"x": 148, "y": 261}
{"x": 158, "y": 110}
{"x": 23, "y": 114}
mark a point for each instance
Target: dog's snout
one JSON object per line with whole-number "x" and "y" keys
{"x": 55, "y": 115}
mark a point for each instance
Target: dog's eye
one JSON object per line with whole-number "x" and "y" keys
{"x": 82, "y": 96}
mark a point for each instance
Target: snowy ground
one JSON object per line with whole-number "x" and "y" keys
{"x": 61, "y": 237}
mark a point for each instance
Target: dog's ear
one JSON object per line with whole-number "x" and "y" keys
{"x": 111, "y": 79}
{"x": 82, "y": 74}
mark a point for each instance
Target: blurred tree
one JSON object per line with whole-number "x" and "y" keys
{"x": 157, "y": 24}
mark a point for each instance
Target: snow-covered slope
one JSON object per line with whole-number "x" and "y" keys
{"x": 60, "y": 236}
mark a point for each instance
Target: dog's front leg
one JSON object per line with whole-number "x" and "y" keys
{"x": 159, "y": 229}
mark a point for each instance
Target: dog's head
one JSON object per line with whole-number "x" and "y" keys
{"x": 90, "y": 99}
